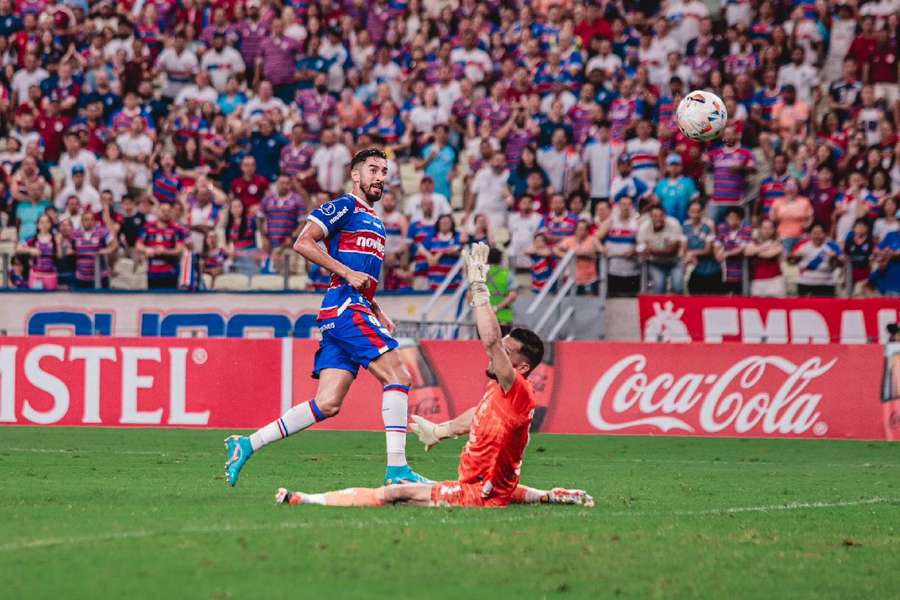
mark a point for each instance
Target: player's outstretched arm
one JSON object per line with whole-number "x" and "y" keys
{"x": 431, "y": 434}
{"x": 485, "y": 319}
{"x": 307, "y": 246}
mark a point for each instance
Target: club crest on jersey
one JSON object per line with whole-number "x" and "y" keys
{"x": 328, "y": 209}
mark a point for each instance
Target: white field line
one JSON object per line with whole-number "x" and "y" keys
{"x": 542, "y": 514}
{"x": 651, "y": 461}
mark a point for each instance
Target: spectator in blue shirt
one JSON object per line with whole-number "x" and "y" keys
{"x": 265, "y": 147}
{"x": 676, "y": 191}
{"x": 439, "y": 162}
{"x": 887, "y": 277}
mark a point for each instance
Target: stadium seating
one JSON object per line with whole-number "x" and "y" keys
{"x": 267, "y": 283}
{"x": 232, "y": 282}
{"x": 298, "y": 282}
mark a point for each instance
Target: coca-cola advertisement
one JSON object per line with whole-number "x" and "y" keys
{"x": 716, "y": 319}
{"x": 734, "y": 390}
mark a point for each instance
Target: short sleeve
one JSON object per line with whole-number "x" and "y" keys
{"x": 333, "y": 216}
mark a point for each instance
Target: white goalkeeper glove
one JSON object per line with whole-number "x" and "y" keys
{"x": 429, "y": 433}
{"x": 476, "y": 272}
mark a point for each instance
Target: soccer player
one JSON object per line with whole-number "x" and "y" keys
{"x": 355, "y": 331}
{"x": 498, "y": 426}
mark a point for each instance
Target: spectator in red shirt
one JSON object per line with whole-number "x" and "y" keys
{"x": 52, "y": 126}
{"x": 863, "y": 46}
{"x": 880, "y": 68}
{"x": 250, "y": 187}
{"x": 593, "y": 25}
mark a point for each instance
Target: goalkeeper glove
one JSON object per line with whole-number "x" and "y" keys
{"x": 429, "y": 433}
{"x": 476, "y": 273}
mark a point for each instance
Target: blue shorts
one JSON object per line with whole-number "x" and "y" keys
{"x": 350, "y": 341}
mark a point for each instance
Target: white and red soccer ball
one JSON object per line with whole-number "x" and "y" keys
{"x": 701, "y": 116}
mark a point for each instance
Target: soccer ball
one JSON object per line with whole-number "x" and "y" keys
{"x": 701, "y": 116}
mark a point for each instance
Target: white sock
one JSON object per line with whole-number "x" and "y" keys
{"x": 394, "y": 413}
{"x": 314, "y": 499}
{"x": 296, "y": 419}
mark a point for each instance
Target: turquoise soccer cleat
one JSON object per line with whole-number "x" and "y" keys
{"x": 239, "y": 452}
{"x": 404, "y": 474}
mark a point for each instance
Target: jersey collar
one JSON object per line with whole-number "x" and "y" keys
{"x": 362, "y": 203}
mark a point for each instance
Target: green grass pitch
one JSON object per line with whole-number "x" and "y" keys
{"x": 106, "y": 513}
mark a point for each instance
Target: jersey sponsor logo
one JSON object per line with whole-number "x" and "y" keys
{"x": 338, "y": 216}
{"x": 370, "y": 243}
{"x": 363, "y": 242}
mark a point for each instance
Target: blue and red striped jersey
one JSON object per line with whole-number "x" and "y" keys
{"x": 770, "y": 190}
{"x": 443, "y": 245}
{"x": 163, "y": 236}
{"x": 354, "y": 236}
{"x": 417, "y": 234}
{"x": 87, "y": 244}
{"x": 541, "y": 270}
{"x": 558, "y": 227}
{"x": 165, "y": 187}
{"x": 282, "y": 215}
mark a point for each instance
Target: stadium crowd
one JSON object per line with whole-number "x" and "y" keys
{"x": 185, "y": 141}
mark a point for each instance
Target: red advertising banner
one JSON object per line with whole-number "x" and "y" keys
{"x": 714, "y": 319}
{"x": 138, "y": 382}
{"x": 734, "y": 390}
{"x": 830, "y": 391}
{"x": 185, "y": 382}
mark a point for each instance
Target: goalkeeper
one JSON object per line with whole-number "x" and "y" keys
{"x": 498, "y": 427}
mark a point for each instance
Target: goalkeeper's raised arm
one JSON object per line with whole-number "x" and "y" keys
{"x": 486, "y": 323}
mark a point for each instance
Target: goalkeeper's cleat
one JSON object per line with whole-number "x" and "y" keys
{"x": 404, "y": 474}
{"x": 575, "y": 497}
{"x": 239, "y": 452}
{"x": 285, "y": 496}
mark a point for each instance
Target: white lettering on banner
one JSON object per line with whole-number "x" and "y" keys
{"x": 808, "y": 327}
{"x": 178, "y": 415}
{"x": 719, "y": 322}
{"x": 59, "y": 388}
{"x": 788, "y": 410}
{"x": 853, "y": 326}
{"x": 8, "y": 384}
{"x": 132, "y": 382}
{"x": 789, "y": 321}
{"x": 774, "y": 330}
{"x": 46, "y": 382}
{"x": 92, "y": 356}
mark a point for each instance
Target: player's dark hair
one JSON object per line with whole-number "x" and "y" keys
{"x": 363, "y": 155}
{"x": 532, "y": 346}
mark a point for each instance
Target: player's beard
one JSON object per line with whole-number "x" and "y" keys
{"x": 373, "y": 193}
